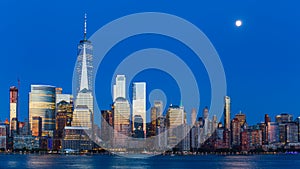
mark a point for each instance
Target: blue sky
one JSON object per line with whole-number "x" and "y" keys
{"x": 261, "y": 58}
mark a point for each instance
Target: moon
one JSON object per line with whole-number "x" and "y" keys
{"x": 238, "y": 23}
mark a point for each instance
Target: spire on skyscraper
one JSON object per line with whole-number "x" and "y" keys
{"x": 85, "y": 19}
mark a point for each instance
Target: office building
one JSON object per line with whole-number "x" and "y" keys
{"x": 241, "y": 117}
{"x": 64, "y": 116}
{"x": 193, "y": 116}
{"x": 175, "y": 120}
{"x": 235, "y": 133}
{"x": 42, "y": 104}
{"x": 36, "y": 126}
{"x": 206, "y": 126}
{"x": 4, "y": 133}
{"x": 273, "y": 132}
{"x": 121, "y": 112}
{"x": 120, "y": 87}
{"x": 76, "y": 138}
{"x": 107, "y": 122}
{"x": 284, "y": 118}
{"x": 84, "y": 66}
{"x": 139, "y": 107}
{"x": 227, "y": 113}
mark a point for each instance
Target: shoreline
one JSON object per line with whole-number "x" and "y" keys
{"x": 153, "y": 154}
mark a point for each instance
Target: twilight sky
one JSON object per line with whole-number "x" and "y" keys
{"x": 260, "y": 58}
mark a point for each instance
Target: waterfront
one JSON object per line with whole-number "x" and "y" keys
{"x": 109, "y": 161}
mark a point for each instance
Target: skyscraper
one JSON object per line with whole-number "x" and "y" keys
{"x": 139, "y": 106}
{"x": 193, "y": 116}
{"x": 273, "y": 132}
{"x": 84, "y": 103}
{"x": 284, "y": 118}
{"x": 175, "y": 120}
{"x": 156, "y": 114}
{"x": 242, "y": 118}
{"x": 84, "y": 66}
{"x": 64, "y": 115}
{"x": 13, "y": 107}
{"x": 107, "y": 122}
{"x": 206, "y": 126}
{"x": 227, "y": 113}
{"x": 36, "y": 126}
{"x": 42, "y": 104}
{"x": 235, "y": 132}
{"x": 121, "y": 112}
{"x": 120, "y": 87}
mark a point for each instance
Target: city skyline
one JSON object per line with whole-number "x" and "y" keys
{"x": 275, "y": 91}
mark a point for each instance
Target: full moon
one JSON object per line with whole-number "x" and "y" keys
{"x": 238, "y": 23}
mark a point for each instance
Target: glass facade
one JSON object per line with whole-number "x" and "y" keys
{"x": 121, "y": 111}
{"x": 139, "y": 103}
{"x": 120, "y": 87}
{"x": 84, "y": 56}
{"x": 82, "y": 117}
{"x": 42, "y": 104}
{"x": 175, "y": 120}
{"x": 76, "y": 138}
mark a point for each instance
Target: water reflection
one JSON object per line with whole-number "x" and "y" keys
{"x": 245, "y": 162}
{"x": 157, "y": 162}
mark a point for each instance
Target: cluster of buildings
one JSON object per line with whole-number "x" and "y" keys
{"x": 65, "y": 122}
{"x": 56, "y": 121}
{"x": 283, "y": 134}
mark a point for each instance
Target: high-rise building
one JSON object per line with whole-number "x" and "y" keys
{"x": 214, "y": 124}
{"x": 42, "y": 104}
{"x": 120, "y": 87}
{"x": 14, "y": 128}
{"x": 264, "y": 133}
{"x": 4, "y": 129}
{"x": 84, "y": 66}
{"x": 36, "y": 126}
{"x": 156, "y": 112}
{"x": 121, "y": 112}
{"x": 298, "y": 123}
{"x": 227, "y": 113}
{"x": 64, "y": 115}
{"x": 139, "y": 106}
{"x": 241, "y": 117}
{"x": 159, "y": 106}
{"x": 107, "y": 122}
{"x": 235, "y": 133}
{"x": 267, "y": 119}
{"x": 284, "y": 118}
{"x": 13, "y": 106}
{"x": 193, "y": 116}
{"x": 206, "y": 122}
{"x": 291, "y": 132}
{"x": 153, "y": 126}
{"x": 162, "y": 136}
{"x": 273, "y": 132}
{"x": 84, "y": 103}
{"x": 175, "y": 120}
